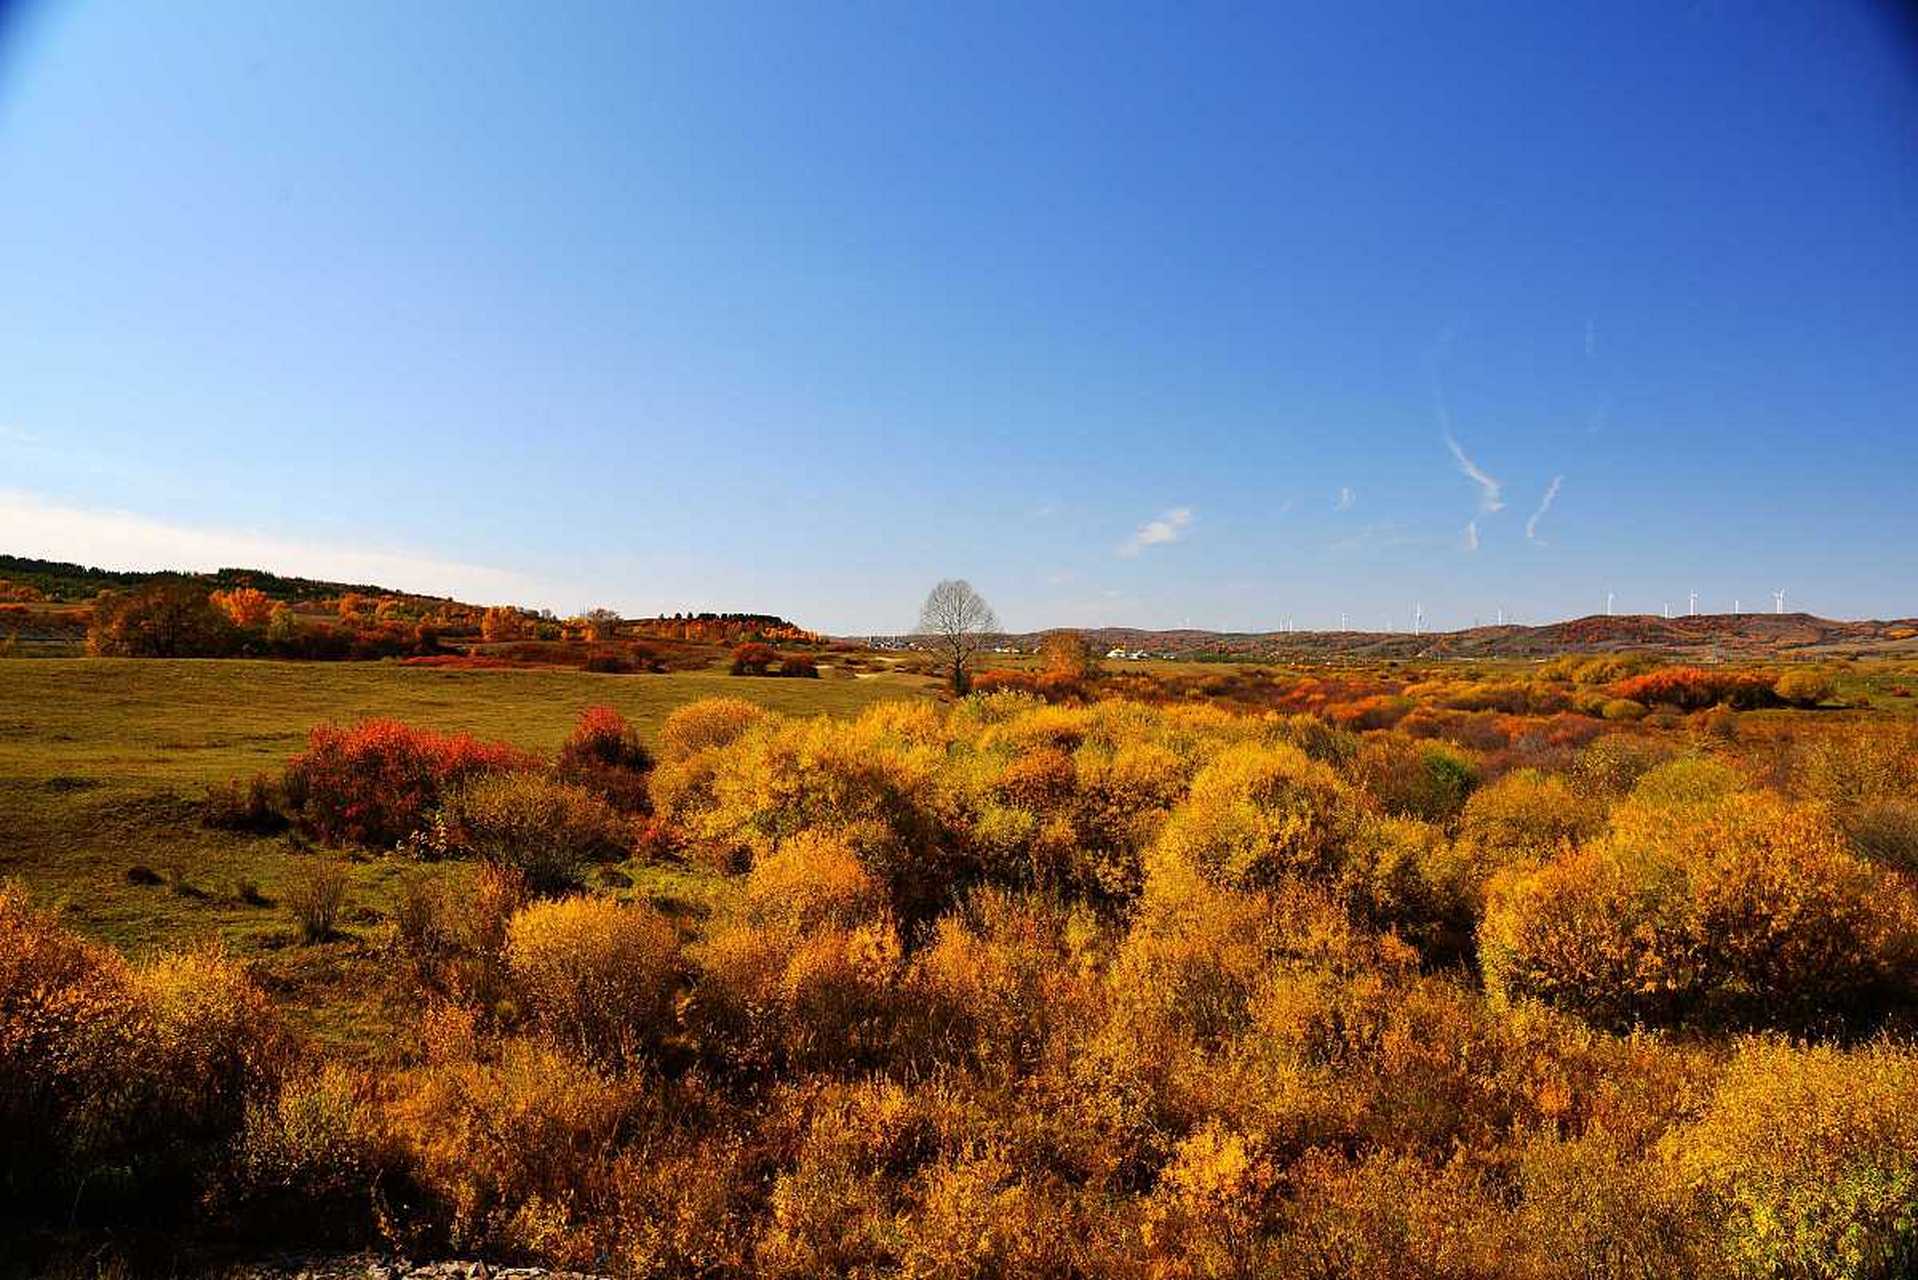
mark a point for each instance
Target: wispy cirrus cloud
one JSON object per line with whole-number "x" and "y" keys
{"x": 31, "y": 525}
{"x": 1544, "y": 505}
{"x": 1345, "y": 499}
{"x": 1489, "y": 499}
{"x": 1169, "y": 527}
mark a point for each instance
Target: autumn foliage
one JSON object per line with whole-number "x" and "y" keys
{"x": 375, "y": 783}
{"x": 1396, "y": 975}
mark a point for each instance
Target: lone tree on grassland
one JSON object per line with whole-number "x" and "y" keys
{"x": 959, "y": 621}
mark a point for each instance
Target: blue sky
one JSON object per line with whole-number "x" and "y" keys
{"x": 1128, "y": 314}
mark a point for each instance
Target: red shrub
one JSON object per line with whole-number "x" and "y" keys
{"x": 376, "y": 782}
{"x": 604, "y": 755}
{"x": 753, "y": 659}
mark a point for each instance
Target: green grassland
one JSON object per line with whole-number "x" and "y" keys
{"x": 103, "y": 763}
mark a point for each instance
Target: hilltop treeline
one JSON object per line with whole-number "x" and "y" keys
{"x": 60, "y": 581}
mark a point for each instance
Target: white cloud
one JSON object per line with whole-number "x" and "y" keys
{"x": 1169, "y": 527}
{"x": 32, "y": 526}
{"x": 1345, "y": 499}
{"x": 1544, "y": 505}
{"x": 1471, "y": 535}
{"x": 1488, "y": 488}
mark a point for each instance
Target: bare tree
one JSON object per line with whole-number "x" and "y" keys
{"x": 959, "y": 621}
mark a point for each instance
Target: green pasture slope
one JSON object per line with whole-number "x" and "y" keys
{"x": 103, "y": 762}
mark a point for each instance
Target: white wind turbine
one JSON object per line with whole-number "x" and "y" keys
{"x": 1418, "y": 619}
{"x": 1694, "y": 604}
{"x": 1778, "y": 600}
{"x": 1608, "y": 604}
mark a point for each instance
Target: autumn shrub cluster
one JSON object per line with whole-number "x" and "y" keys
{"x": 183, "y": 620}
{"x": 376, "y": 782}
{"x": 1691, "y": 688}
{"x": 1015, "y": 988}
{"x": 121, "y": 1084}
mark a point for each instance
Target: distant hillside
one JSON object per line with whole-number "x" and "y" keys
{"x": 1704, "y": 638}
{"x": 59, "y": 580}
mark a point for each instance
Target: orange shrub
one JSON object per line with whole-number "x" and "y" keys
{"x": 1693, "y": 687}
{"x": 249, "y": 608}
{"x": 512, "y": 1153}
{"x": 503, "y": 622}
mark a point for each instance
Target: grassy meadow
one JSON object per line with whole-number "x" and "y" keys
{"x": 104, "y": 762}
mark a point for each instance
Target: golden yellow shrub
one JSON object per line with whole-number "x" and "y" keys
{"x": 514, "y": 1149}
{"x": 708, "y": 723}
{"x": 1808, "y": 1156}
{"x": 318, "y": 1137}
{"x": 814, "y": 878}
{"x": 135, "y": 1076}
{"x": 1257, "y": 814}
{"x": 1746, "y": 912}
{"x": 599, "y": 974}
{"x": 1523, "y": 815}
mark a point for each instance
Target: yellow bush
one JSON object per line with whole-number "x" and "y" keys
{"x": 1804, "y": 687}
{"x": 1612, "y": 763}
{"x": 1809, "y": 1158}
{"x": 770, "y": 996}
{"x": 597, "y": 973}
{"x": 1524, "y": 815}
{"x": 318, "y": 1137}
{"x": 681, "y": 1206}
{"x": 814, "y": 878}
{"x": 1211, "y": 1213}
{"x": 978, "y": 1220}
{"x": 1860, "y": 763}
{"x": 515, "y": 1149}
{"x": 705, "y": 724}
{"x": 1007, "y": 978}
{"x": 1746, "y": 912}
{"x": 1257, "y": 814}
{"x": 118, "y": 1075}
{"x": 547, "y": 831}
